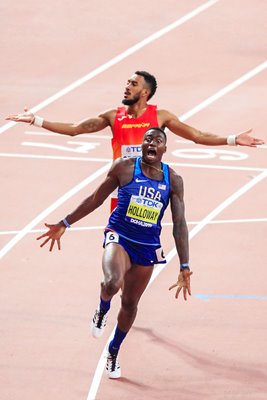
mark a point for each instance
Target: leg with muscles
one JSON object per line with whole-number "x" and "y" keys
{"x": 135, "y": 282}
{"x": 115, "y": 263}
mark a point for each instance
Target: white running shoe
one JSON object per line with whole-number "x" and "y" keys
{"x": 98, "y": 323}
{"x": 113, "y": 368}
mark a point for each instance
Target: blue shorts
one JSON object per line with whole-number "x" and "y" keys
{"x": 138, "y": 253}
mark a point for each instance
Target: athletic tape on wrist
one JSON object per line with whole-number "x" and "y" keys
{"x": 231, "y": 140}
{"x": 38, "y": 121}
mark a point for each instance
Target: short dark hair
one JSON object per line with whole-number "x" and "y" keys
{"x": 150, "y": 81}
{"x": 157, "y": 128}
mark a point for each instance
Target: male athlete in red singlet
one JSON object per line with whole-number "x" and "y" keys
{"x": 128, "y": 124}
{"x": 128, "y": 132}
{"x": 128, "y": 135}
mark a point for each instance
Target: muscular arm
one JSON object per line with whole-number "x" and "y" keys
{"x": 169, "y": 120}
{"x": 180, "y": 231}
{"x": 88, "y": 125}
{"x": 116, "y": 176}
{"x": 98, "y": 196}
{"x": 55, "y": 231}
{"x": 180, "y": 234}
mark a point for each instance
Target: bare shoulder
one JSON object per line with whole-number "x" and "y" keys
{"x": 123, "y": 169}
{"x": 122, "y": 162}
{"x": 165, "y": 116}
{"x": 125, "y": 163}
{"x": 109, "y": 115}
{"x": 176, "y": 181}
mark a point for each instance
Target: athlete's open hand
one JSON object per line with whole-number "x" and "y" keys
{"x": 183, "y": 283}
{"x": 244, "y": 139}
{"x": 27, "y": 116}
{"x": 54, "y": 234}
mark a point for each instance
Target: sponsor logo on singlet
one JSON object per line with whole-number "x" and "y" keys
{"x": 131, "y": 150}
{"x": 143, "y": 210}
{"x": 138, "y": 125}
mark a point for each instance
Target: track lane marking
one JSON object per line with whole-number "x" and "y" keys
{"x": 102, "y": 227}
{"x": 227, "y": 89}
{"x": 105, "y": 160}
{"x": 52, "y": 207}
{"x": 116, "y": 60}
{"x": 160, "y": 267}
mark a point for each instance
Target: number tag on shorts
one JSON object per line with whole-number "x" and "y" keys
{"x": 160, "y": 254}
{"x": 111, "y": 237}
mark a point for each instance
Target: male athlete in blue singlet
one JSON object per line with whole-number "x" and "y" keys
{"x": 132, "y": 236}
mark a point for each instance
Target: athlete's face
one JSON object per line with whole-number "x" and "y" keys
{"x": 154, "y": 146}
{"x": 134, "y": 90}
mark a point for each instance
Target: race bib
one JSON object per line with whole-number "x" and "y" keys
{"x": 144, "y": 209}
{"x": 111, "y": 237}
{"x": 160, "y": 255}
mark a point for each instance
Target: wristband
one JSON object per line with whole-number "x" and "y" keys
{"x": 231, "y": 140}
{"x": 65, "y": 222}
{"x": 38, "y": 121}
{"x": 183, "y": 266}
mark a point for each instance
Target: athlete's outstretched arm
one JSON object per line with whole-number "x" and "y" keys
{"x": 88, "y": 125}
{"x": 180, "y": 233}
{"x": 170, "y": 120}
{"x": 55, "y": 231}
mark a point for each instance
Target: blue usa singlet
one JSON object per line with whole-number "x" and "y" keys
{"x": 141, "y": 205}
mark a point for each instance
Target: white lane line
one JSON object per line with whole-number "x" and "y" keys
{"x": 85, "y": 135}
{"x": 52, "y": 207}
{"x": 117, "y": 59}
{"x": 105, "y": 160}
{"x": 201, "y": 106}
{"x": 248, "y": 75}
{"x": 101, "y": 228}
{"x": 45, "y": 157}
{"x": 160, "y": 267}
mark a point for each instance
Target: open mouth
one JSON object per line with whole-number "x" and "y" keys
{"x": 151, "y": 153}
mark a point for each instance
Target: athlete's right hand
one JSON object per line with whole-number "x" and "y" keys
{"x": 27, "y": 116}
{"x": 54, "y": 233}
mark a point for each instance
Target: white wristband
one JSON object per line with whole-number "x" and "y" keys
{"x": 231, "y": 140}
{"x": 65, "y": 222}
{"x": 38, "y": 121}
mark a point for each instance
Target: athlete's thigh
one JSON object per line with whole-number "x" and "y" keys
{"x": 135, "y": 281}
{"x": 115, "y": 261}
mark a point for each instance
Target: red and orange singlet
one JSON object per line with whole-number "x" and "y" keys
{"x": 128, "y": 134}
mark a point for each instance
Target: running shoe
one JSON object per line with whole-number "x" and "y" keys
{"x": 98, "y": 323}
{"x": 113, "y": 368}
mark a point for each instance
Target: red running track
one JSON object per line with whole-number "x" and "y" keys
{"x": 214, "y": 345}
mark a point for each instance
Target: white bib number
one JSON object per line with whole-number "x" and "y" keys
{"x": 111, "y": 237}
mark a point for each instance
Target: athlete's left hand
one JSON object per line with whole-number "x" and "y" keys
{"x": 183, "y": 283}
{"x": 244, "y": 139}
{"x": 54, "y": 234}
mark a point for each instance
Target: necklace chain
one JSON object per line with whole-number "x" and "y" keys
{"x": 152, "y": 166}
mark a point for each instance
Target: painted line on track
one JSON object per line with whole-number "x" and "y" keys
{"x": 227, "y": 89}
{"x": 105, "y": 160}
{"x": 116, "y": 60}
{"x": 102, "y": 227}
{"x": 53, "y": 207}
{"x": 207, "y": 297}
{"x": 94, "y": 73}
{"x": 160, "y": 267}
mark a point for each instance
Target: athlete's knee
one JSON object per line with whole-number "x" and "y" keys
{"x": 111, "y": 285}
{"x": 129, "y": 305}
